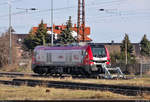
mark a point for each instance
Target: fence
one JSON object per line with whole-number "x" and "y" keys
{"x": 136, "y": 69}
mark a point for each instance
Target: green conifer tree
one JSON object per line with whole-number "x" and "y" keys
{"x": 39, "y": 38}
{"x": 145, "y": 46}
{"x": 66, "y": 34}
{"x": 40, "y": 35}
{"x": 129, "y": 45}
{"x": 127, "y": 50}
{"x": 29, "y": 43}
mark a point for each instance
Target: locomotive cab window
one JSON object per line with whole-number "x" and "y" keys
{"x": 99, "y": 52}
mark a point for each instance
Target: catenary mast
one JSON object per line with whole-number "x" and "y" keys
{"x": 81, "y": 21}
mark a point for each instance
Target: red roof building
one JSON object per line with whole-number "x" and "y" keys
{"x": 58, "y": 28}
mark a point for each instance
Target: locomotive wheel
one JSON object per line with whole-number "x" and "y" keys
{"x": 40, "y": 71}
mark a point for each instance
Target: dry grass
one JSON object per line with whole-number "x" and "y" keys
{"x": 17, "y": 68}
{"x": 42, "y": 93}
{"x": 10, "y": 68}
{"x": 146, "y": 96}
{"x": 6, "y": 78}
{"x": 133, "y": 82}
{"x": 148, "y": 73}
{"x": 145, "y": 81}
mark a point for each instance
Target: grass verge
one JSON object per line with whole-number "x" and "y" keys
{"x": 43, "y": 93}
{"x": 133, "y": 82}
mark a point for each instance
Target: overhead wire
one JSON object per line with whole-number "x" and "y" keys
{"x": 46, "y": 10}
{"x": 113, "y": 14}
{"x": 64, "y": 8}
{"x": 6, "y": 2}
{"x": 118, "y": 14}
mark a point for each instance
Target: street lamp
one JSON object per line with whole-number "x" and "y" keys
{"x": 108, "y": 10}
{"x": 52, "y": 22}
{"x": 27, "y": 9}
{"x": 10, "y": 30}
{"x": 101, "y": 9}
{"x": 10, "y": 39}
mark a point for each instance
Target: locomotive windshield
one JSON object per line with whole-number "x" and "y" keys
{"x": 99, "y": 52}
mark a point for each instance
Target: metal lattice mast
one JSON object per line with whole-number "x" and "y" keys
{"x": 81, "y": 20}
{"x": 78, "y": 20}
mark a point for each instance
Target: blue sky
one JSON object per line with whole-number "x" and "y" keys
{"x": 120, "y": 17}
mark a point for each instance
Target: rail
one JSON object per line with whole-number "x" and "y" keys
{"x": 126, "y": 90}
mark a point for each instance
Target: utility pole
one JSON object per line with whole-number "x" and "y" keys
{"x": 52, "y": 22}
{"x": 126, "y": 53}
{"x": 10, "y": 35}
{"x": 10, "y": 31}
{"x": 81, "y": 21}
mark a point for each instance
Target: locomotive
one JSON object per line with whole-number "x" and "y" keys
{"x": 74, "y": 60}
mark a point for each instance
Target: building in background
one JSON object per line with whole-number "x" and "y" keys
{"x": 58, "y": 28}
{"x": 19, "y": 38}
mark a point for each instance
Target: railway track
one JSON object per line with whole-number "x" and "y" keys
{"x": 15, "y": 74}
{"x": 126, "y": 90}
{"x": 75, "y": 100}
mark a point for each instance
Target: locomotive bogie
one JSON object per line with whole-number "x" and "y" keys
{"x": 73, "y": 70}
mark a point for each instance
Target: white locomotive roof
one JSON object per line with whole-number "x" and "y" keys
{"x": 61, "y": 47}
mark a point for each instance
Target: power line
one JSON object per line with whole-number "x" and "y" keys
{"x": 113, "y": 18}
{"x": 137, "y": 12}
{"x": 38, "y": 11}
{"x": 108, "y": 2}
{"x": 58, "y": 9}
{"x": 6, "y": 3}
{"x": 3, "y": 4}
{"x": 133, "y": 12}
{"x": 13, "y": 14}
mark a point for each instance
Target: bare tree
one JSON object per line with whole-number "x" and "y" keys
{"x": 4, "y": 50}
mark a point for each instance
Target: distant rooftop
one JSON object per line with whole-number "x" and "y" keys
{"x": 57, "y": 30}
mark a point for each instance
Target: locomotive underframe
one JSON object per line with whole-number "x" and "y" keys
{"x": 87, "y": 70}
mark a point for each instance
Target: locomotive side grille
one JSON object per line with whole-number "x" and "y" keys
{"x": 70, "y": 58}
{"x": 49, "y": 58}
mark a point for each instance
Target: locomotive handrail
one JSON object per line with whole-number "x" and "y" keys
{"x": 108, "y": 75}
